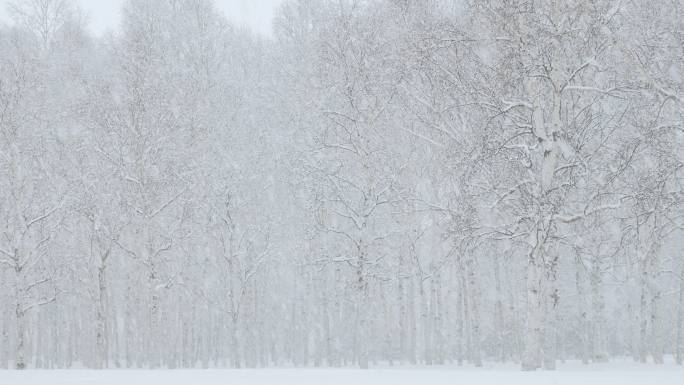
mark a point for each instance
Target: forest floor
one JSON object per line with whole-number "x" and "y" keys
{"x": 572, "y": 373}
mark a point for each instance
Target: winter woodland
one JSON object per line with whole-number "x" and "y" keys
{"x": 378, "y": 182}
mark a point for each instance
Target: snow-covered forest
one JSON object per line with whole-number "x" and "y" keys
{"x": 378, "y": 182}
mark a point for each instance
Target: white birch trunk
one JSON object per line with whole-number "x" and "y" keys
{"x": 598, "y": 321}
{"x": 402, "y": 310}
{"x": 532, "y": 355}
{"x": 425, "y": 320}
{"x": 362, "y": 306}
{"x": 102, "y": 329}
{"x": 582, "y": 310}
{"x": 474, "y": 304}
{"x": 679, "y": 351}
{"x": 643, "y": 308}
{"x": 551, "y": 308}
{"x": 4, "y": 337}
{"x": 657, "y": 333}
{"x": 498, "y": 311}
{"x": 20, "y": 345}
{"x": 460, "y": 317}
{"x": 412, "y": 326}
{"x": 439, "y": 341}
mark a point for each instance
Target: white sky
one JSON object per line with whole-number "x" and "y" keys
{"x": 105, "y": 14}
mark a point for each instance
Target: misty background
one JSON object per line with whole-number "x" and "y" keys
{"x": 341, "y": 183}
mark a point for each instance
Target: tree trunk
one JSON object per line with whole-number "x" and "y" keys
{"x": 598, "y": 321}
{"x": 20, "y": 360}
{"x": 437, "y": 328}
{"x": 474, "y": 312}
{"x": 679, "y": 356}
{"x": 498, "y": 312}
{"x": 101, "y": 337}
{"x": 4, "y": 340}
{"x": 402, "y": 309}
{"x": 657, "y": 343}
{"x": 582, "y": 310}
{"x": 460, "y": 316}
{"x": 153, "y": 335}
{"x": 235, "y": 341}
{"x": 551, "y": 307}
{"x": 532, "y": 355}
{"x": 362, "y": 308}
{"x": 643, "y": 309}
{"x": 425, "y": 320}
{"x": 20, "y": 315}
{"x": 413, "y": 328}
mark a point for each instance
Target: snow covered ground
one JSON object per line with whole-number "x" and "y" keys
{"x": 569, "y": 374}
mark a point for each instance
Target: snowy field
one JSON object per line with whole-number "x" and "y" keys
{"x": 568, "y": 374}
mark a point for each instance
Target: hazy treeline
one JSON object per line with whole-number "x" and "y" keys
{"x": 402, "y": 181}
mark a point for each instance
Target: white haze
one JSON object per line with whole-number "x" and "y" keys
{"x": 342, "y": 183}
{"x": 104, "y": 15}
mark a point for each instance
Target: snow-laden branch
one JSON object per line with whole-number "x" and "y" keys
{"x": 586, "y": 64}
{"x": 42, "y": 217}
{"x": 36, "y": 283}
{"x": 510, "y": 192}
{"x": 6, "y": 262}
{"x": 165, "y": 205}
{"x": 7, "y": 253}
{"x": 570, "y": 218}
{"x": 423, "y": 137}
{"x": 509, "y": 105}
{"x": 42, "y": 302}
{"x": 606, "y": 91}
